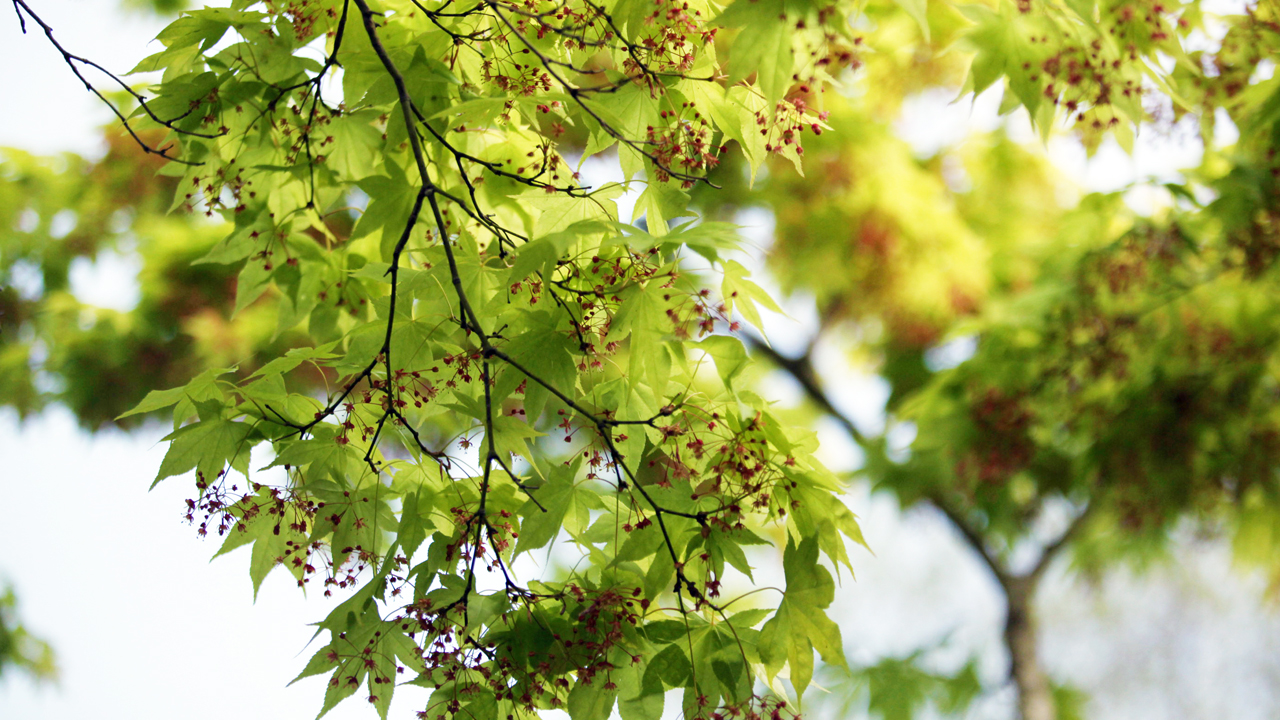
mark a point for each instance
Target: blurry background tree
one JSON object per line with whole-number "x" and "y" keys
{"x": 20, "y": 650}
{"x": 1122, "y": 378}
{"x": 1068, "y": 376}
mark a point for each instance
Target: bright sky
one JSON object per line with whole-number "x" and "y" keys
{"x": 145, "y": 627}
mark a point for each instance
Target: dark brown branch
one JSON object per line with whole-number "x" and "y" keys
{"x": 1021, "y": 635}
{"x": 1052, "y": 549}
{"x": 973, "y": 537}
{"x": 801, "y": 369}
{"x": 20, "y": 7}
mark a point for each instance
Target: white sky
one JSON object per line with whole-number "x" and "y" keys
{"x": 145, "y": 627}
{"x": 143, "y": 624}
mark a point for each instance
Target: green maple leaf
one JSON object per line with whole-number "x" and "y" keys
{"x": 544, "y": 519}
{"x": 545, "y": 351}
{"x": 800, "y": 626}
{"x": 660, "y": 203}
{"x": 511, "y": 436}
{"x": 743, "y": 294}
{"x": 729, "y": 354}
{"x": 919, "y": 11}
{"x": 391, "y": 197}
{"x": 206, "y": 446}
{"x": 763, "y": 46}
{"x": 273, "y": 537}
{"x": 355, "y": 145}
{"x": 321, "y": 455}
{"x": 559, "y": 212}
{"x": 643, "y": 317}
{"x": 591, "y": 701}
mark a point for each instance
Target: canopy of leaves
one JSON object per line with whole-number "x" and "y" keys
{"x": 1124, "y": 363}
{"x": 422, "y": 275}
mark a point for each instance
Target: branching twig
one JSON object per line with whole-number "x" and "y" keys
{"x": 72, "y": 60}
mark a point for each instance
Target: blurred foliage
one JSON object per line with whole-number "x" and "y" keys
{"x": 897, "y": 689}
{"x": 19, "y": 649}
{"x": 157, "y": 7}
{"x": 61, "y": 214}
{"x": 1126, "y": 363}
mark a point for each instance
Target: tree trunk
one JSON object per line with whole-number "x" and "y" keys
{"x": 1035, "y": 695}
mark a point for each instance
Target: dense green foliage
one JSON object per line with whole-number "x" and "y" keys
{"x": 405, "y": 345}
{"x": 484, "y": 298}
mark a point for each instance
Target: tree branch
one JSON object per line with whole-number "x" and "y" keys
{"x": 974, "y": 539}
{"x": 1052, "y": 549}
{"x": 20, "y": 7}
{"x": 801, "y": 369}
